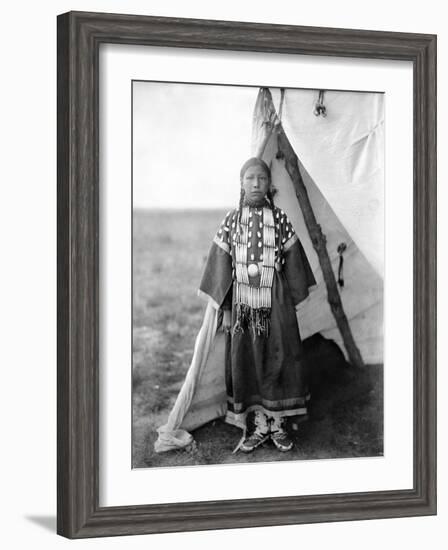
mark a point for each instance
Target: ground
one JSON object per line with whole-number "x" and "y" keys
{"x": 169, "y": 249}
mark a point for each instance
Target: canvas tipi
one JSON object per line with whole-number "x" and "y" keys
{"x": 340, "y": 163}
{"x": 327, "y": 166}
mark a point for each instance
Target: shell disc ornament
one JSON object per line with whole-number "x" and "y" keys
{"x": 252, "y": 270}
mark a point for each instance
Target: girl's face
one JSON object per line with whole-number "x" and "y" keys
{"x": 255, "y": 183}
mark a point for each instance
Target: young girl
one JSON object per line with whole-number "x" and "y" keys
{"x": 257, "y": 274}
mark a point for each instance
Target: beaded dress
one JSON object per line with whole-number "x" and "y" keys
{"x": 257, "y": 268}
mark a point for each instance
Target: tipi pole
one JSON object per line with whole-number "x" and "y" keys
{"x": 319, "y": 243}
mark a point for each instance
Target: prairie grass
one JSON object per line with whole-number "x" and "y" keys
{"x": 169, "y": 251}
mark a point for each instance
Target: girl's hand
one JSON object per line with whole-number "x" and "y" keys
{"x": 226, "y": 320}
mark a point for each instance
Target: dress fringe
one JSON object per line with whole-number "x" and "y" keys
{"x": 256, "y": 320}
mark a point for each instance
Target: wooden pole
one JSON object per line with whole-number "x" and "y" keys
{"x": 319, "y": 243}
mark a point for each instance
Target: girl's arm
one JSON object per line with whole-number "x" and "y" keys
{"x": 227, "y": 319}
{"x": 298, "y": 272}
{"x": 217, "y": 276}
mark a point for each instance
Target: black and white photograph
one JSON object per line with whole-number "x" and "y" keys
{"x": 257, "y": 274}
{"x": 222, "y": 234}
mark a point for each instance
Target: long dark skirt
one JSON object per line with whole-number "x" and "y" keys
{"x": 267, "y": 373}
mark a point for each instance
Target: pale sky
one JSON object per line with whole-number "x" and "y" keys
{"x": 189, "y": 142}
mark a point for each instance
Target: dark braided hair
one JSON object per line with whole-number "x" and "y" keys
{"x": 253, "y": 161}
{"x": 240, "y": 211}
{"x": 269, "y": 195}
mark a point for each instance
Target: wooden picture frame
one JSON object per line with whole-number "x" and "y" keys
{"x": 79, "y": 37}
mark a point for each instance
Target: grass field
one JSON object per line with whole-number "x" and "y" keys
{"x": 169, "y": 251}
